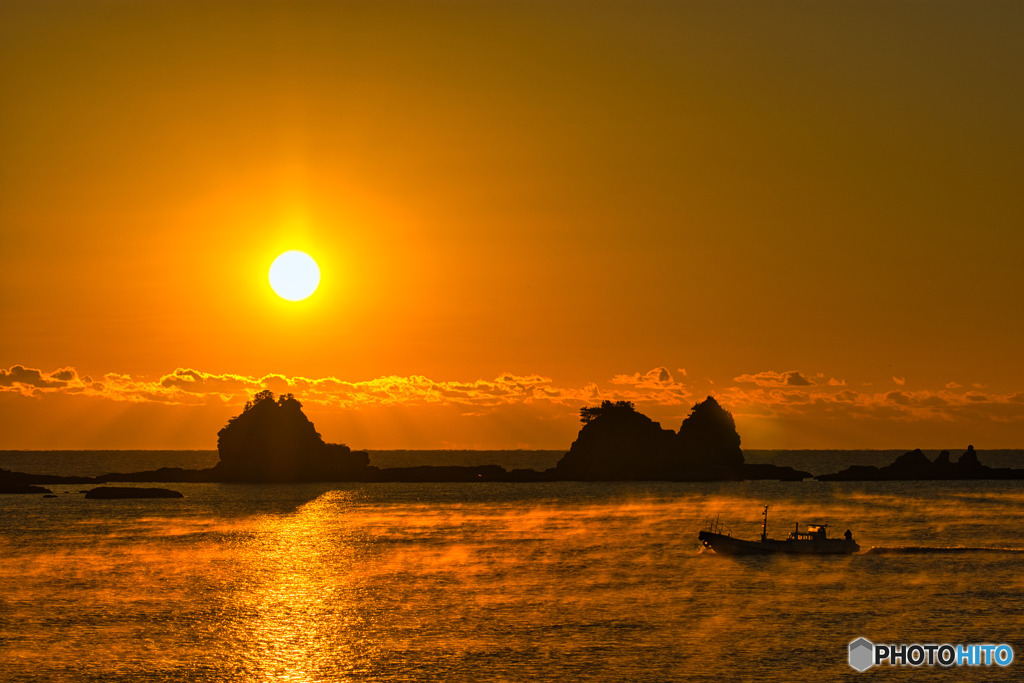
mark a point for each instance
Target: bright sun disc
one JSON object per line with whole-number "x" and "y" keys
{"x": 294, "y": 275}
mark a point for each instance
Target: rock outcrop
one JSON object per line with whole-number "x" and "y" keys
{"x": 164, "y": 474}
{"x": 709, "y": 444}
{"x": 9, "y": 481}
{"x": 273, "y": 441}
{"x": 16, "y": 482}
{"x": 915, "y": 465}
{"x": 617, "y": 442}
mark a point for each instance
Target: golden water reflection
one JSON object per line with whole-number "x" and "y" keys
{"x": 295, "y": 618}
{"x": 493, "y": 582}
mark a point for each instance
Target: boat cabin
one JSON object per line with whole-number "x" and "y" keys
{"x": 814, "y": 531}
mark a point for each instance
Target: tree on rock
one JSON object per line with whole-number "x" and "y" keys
{"x": 275, "y": 441}
{"x": 609, "y": 408}
{"x": 709, "y": 443}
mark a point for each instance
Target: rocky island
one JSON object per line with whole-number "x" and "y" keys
{"x": 619, "y": 443}
{"x": 16, "y": 482}
{"x": 272, "y": 441}
{"x": 915, "y": 466}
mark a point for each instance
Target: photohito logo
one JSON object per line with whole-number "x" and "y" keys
{"x": 864, "y": 654}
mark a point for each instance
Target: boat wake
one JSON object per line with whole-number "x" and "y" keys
{"x": 923, "y": 550}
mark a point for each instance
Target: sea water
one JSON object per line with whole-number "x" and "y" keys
{"x": 95, "y": 463}
{"x": 501, "y": 582}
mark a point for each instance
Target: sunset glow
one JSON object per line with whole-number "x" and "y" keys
{"x": 807, "y": 210}
{"x": 410, "y": 341}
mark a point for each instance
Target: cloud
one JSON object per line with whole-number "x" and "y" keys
{"x": 195, "y": 382}
{"x": 188, "y": 386}
{"x": 656, "y": 386}
{"x": 655, "y": 377}
{"x": 765, "y": 395}
{"x": 899, "y": 397}
{"x": 821, "y": 401}
{"x": 65, "y": 375}
{"x": 26, "y": 380}
{"x": 775, "y": 379}
{"x": 899, "y": 380}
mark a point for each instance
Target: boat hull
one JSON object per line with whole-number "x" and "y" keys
{"x": 727, "y": 545}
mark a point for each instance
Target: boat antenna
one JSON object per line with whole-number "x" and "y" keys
{"x": 764, "y": 526}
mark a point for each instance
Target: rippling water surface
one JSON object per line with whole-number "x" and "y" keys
{"x": 467, "y": 582}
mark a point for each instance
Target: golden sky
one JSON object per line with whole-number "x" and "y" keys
{"x": 810, "y": 210}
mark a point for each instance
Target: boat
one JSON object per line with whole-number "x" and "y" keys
{"x": 814, "y": 542}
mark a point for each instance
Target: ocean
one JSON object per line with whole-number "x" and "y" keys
{"x": 502, "y": 582}
{"x": 94, "y": 463}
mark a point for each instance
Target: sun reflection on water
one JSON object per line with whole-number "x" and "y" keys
{"x": 495, "y": 582}
{"x": 294, "y": 615}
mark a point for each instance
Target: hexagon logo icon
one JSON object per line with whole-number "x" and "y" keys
{"x": 862, "y": 654}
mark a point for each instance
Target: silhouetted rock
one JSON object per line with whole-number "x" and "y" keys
{"x": 618, "y": 443}
{"x": 273, "y": 441}
{"x": 164, "y": 474}
{"x": 752, "y": 471}
{"x": 915, "y": 465}
{"x": 525, "y": 475}
{"x": 14, "y": 479}
{"x": 124, "y": 492}
{"x": 709, "y": 443}
{"x": 13, "y": 487}
{"x": 969, "y": 462}
{"x": 911, "y": 461}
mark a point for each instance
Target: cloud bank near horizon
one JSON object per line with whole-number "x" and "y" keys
{"x": 187, "y": 386}
{"x": 763, "y": 395}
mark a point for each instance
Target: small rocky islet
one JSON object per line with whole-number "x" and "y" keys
{"x": 915, "y": 466}
{"x": 128, "y": 492}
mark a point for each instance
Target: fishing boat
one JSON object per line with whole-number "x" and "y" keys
{"x": 814, "y": 542}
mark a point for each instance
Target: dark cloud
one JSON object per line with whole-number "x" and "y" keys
{"x": 770, "y": 378}
{"x": 65, "y": 375}
{"x": 796, "y": 379}
{"x": 899, "y": 398}
{"x": 31, "y": 377}
{"x": 651, "y": 378}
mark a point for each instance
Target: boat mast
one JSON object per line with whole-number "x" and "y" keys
{"x": 764, "y": 526}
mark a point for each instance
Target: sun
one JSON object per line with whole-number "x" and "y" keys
{"x": 294, "y": 275}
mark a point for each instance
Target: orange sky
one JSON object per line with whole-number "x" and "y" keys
{"x": 810, "y": 210}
